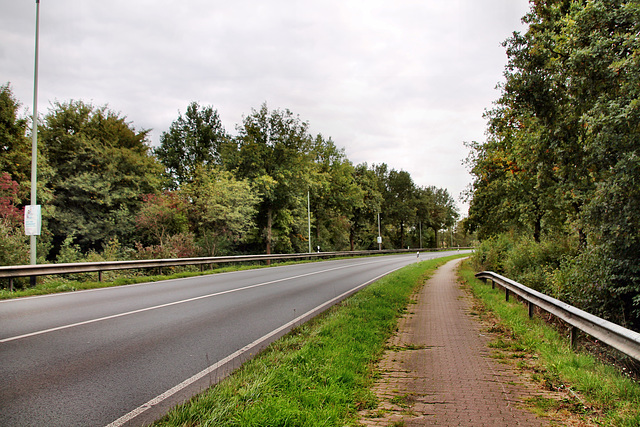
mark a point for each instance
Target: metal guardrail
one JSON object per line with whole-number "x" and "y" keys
{"x": 15, "y": 271}
{"x": 622, "y": 339}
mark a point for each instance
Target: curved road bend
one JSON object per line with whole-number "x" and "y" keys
{"x": 94, "y": 358}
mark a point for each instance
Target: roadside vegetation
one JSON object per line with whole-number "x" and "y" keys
{"x": 554, "y": 193}
{"x": 321, "y": 373}
{"x": 106, "y": 194}
{"x": 589, "y": 390}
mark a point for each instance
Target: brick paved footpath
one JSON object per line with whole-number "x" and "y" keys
{"x": 439, "y": 370}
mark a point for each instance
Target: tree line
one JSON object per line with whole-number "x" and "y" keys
{"x": 106, "y": 193}
{"x": 556, "y": 183}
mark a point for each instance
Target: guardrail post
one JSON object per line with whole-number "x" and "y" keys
{"x": 574, "y": 336}
{"x": 100, "y": 276}
{"x": 11, "y": 284}
{"x": 493, "y": 284}
{"x": 531, "y": 306}
{"x": 506, "y": 294}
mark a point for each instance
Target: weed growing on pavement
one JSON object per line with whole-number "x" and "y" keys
{"x": 321, "y": 373}
{"x": 598, "y": 392}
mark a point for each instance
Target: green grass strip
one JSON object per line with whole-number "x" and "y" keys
{"x": 321, "y": 373}
{"x": 607, "y": 397}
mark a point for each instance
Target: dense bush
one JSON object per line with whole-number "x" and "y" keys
{"x": 585, "y": 279}
{"x": 491, "y": 253}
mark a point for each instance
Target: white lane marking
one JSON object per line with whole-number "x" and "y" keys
{"x": 186, "y": 383}
{"x": 132, "y": 285}
{"x": 114, "y": 316}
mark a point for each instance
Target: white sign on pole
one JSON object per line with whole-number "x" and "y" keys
{"x": 32, "y": 220}
{"x": 379, "y": 239}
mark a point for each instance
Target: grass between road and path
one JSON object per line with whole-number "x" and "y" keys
{"x": 321, "y": 373}
{"x": 587, "y": 391}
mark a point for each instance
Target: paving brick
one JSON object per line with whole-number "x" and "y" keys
{"x": 443, "y": 373}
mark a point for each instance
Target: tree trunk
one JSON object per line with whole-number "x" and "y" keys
{"x": 351, "y": 238}
{"x": 537, "y": 228}
{"x": 269, "y": 233}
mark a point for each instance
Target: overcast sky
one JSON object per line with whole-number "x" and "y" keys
{"x": 403, "y": 82}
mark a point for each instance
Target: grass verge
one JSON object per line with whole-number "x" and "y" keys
{"x": 598, "y": 394}
{"x": 321, "y": 373}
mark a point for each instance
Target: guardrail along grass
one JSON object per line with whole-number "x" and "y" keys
{"x": 321, "y": 373}
{"x": 597, "y": 393}
{"x": 54, "y": 284}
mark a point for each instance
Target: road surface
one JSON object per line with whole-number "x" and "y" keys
{"x": 125, "y": 355}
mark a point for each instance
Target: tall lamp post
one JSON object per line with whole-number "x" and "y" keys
{"x": 309, "y": 217}
{"x": 379, "y": 235}
{"x": 32, "y": 212}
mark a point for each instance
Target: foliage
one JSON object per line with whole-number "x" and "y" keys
{"x": 334, "y": 194}
{"x": 14, "y": 249}
{"x": 102, "y": 165}
{"x": 9, "y": 211}
{"x": 584, "y": 279}
{"x": 14, "y": 245}
{"x": 179, "y": 245}
{"x": 193, "y": 140}
{"x": 272, "y": 151}
{"x": 221, "y": 209}
{"x": 363, "y": 224}
{"x": 99, "y": 182}
{"x": 15, "y": 148}
{"x": 561, "y": 156}
{"x": 162, "y": 215}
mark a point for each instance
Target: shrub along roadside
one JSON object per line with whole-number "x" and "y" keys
{"x": 321, "y": 373}
{"x": 590, "y": 279}
{"x": 606, "y": 397}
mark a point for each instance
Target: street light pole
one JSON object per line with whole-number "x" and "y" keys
{"x": 34, "y": 135}
{"x": 309, "y": 218}
{"x": 379, "y": 235}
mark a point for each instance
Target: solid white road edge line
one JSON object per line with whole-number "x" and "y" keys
{"x": 156, "y": 400}
{"x": 114, "y": 316}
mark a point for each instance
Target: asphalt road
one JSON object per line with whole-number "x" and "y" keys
{"x": 125, "y": 355}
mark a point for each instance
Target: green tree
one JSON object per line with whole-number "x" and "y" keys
{"x": 15, "y": 147}
{"x": 567, "y": 125}
{"x": 444, "y": 214}
{"x": 334, "y": 194}
{"x": 363, "y": 229}
{"x": 425, "y": 206}
{"x": 222, "y": 208}
{"x": 193, "y": 140}
{"x": 272, "y": 152}
{"x": 398, "y": 209}
{"x": 102, "y": 166}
